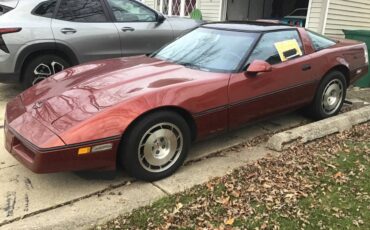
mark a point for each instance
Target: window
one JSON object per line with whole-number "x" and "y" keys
{"x": 4, "y": 9}
{"x": 81, "y": 11}
{"x": 130, "y": 11}
{"x": 45, "y": 9}
{"x": 266, "y": 49}
{"x": 320, "y": 42}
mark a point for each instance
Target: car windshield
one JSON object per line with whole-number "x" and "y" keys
{"x": 209, "y": 49}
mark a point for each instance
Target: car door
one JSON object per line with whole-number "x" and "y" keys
{"x": 289, "y": 84}
{"x": 84, "y": 26}
{"x": 141, "y": 30}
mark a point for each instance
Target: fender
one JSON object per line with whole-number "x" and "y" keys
{"x": 45, "y": 46}
{"x": 115, "y": 120}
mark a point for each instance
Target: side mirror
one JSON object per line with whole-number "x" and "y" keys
{"x": 259, "y": 66}
{"x": 160, "y": 18}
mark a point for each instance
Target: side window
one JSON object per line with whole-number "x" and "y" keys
{"x": 320, "y": 42}
{"x": 81, "y": 11}
{"x": 267, "y": 50}
{"x": 45, "y": 9}
{"x": 131, "y": 11}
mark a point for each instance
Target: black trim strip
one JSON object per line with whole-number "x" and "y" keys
{"x": 209, "y": 111}
{"x": 224, "y": 107}
{"x": 274, "y": 92}
{"x": 36, "y": 149}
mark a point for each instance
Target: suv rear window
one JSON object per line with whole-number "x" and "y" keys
{"x": 4, "y": 9}
{"x": 45, "y": 9}
{"x": 81, "y": 11}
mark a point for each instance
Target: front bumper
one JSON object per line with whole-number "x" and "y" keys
{"x": 59, "y": 159}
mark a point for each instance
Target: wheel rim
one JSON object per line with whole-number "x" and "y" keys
{"x": 332, "y": 97}
{"x": 43, "y": 71}
{"x": 160, "y": 147}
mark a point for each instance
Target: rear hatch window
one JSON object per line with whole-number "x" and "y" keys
{"x": 7, "y": 5}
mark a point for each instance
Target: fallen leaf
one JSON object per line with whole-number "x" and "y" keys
{"x": 229, "y": 221}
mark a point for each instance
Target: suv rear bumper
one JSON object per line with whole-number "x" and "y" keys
{"x": 10, "y": 77}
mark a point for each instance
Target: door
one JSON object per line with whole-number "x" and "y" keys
{"x": 289, "y": 84}
{"x": 141, "y": 30}
{"x": 85, "y": 27}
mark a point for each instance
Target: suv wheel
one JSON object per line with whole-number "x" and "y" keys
{"x": 42, "y": 67}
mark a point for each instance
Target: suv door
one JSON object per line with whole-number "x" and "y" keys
{"x": 140, "y": 29}
{"x": 291, "y": 82}
{"x": 85, "y": 27}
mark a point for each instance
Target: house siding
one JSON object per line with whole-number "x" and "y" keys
{"x": 150, "y": 3}
{"x": 211, "y": 9}
{"x": 316, "y": 15}
{"x": 347, "y": 14}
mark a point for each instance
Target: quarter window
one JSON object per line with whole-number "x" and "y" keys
{"x": 81, "y": 11}
{"x": 131, "y": 11}
{"x": 45, "y": 9}
{"x": 266, "y": 49}
{"x": 320, "y": 42}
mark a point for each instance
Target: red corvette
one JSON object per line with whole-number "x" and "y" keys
{"x": 143, "y": 112}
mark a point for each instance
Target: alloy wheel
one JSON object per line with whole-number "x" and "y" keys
{"x": 332, "y": 97}
{"x": 43, "y": 71}
{"x": 160, "y": 147}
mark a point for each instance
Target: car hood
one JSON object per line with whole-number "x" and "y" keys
{"x": 82, "y": 91}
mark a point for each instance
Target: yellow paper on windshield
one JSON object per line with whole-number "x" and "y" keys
{"x": 288, "y": 49}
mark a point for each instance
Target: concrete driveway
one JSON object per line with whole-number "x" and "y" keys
{"x": 24, "y": 194}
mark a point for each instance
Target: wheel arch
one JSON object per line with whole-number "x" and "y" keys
{"x": 44, "y": 48}
{"x": 189, "y": 119}
{"x": 340, "y": 68}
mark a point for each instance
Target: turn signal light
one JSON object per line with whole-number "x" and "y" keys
{"x": 94, "y": 149}
{"x": 84, "y": 150}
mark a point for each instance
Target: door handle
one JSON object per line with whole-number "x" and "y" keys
{"x": 68, "y": 31}
{"x": 130, "y": 29}
{"x": 306, "y": 67}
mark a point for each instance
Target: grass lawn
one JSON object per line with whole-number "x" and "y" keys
{"x": 321, "y": 185}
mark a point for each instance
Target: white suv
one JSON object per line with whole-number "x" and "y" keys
{"x": 41, "y": 37}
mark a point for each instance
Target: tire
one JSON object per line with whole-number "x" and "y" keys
{"x": 156, "y": 146}
{"x": 47, "y": 65}
{"x": 330, "y": 96}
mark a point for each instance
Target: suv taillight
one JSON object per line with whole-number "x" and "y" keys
{"x": 3, "y": 46}
{"x": 9, "y": 30}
